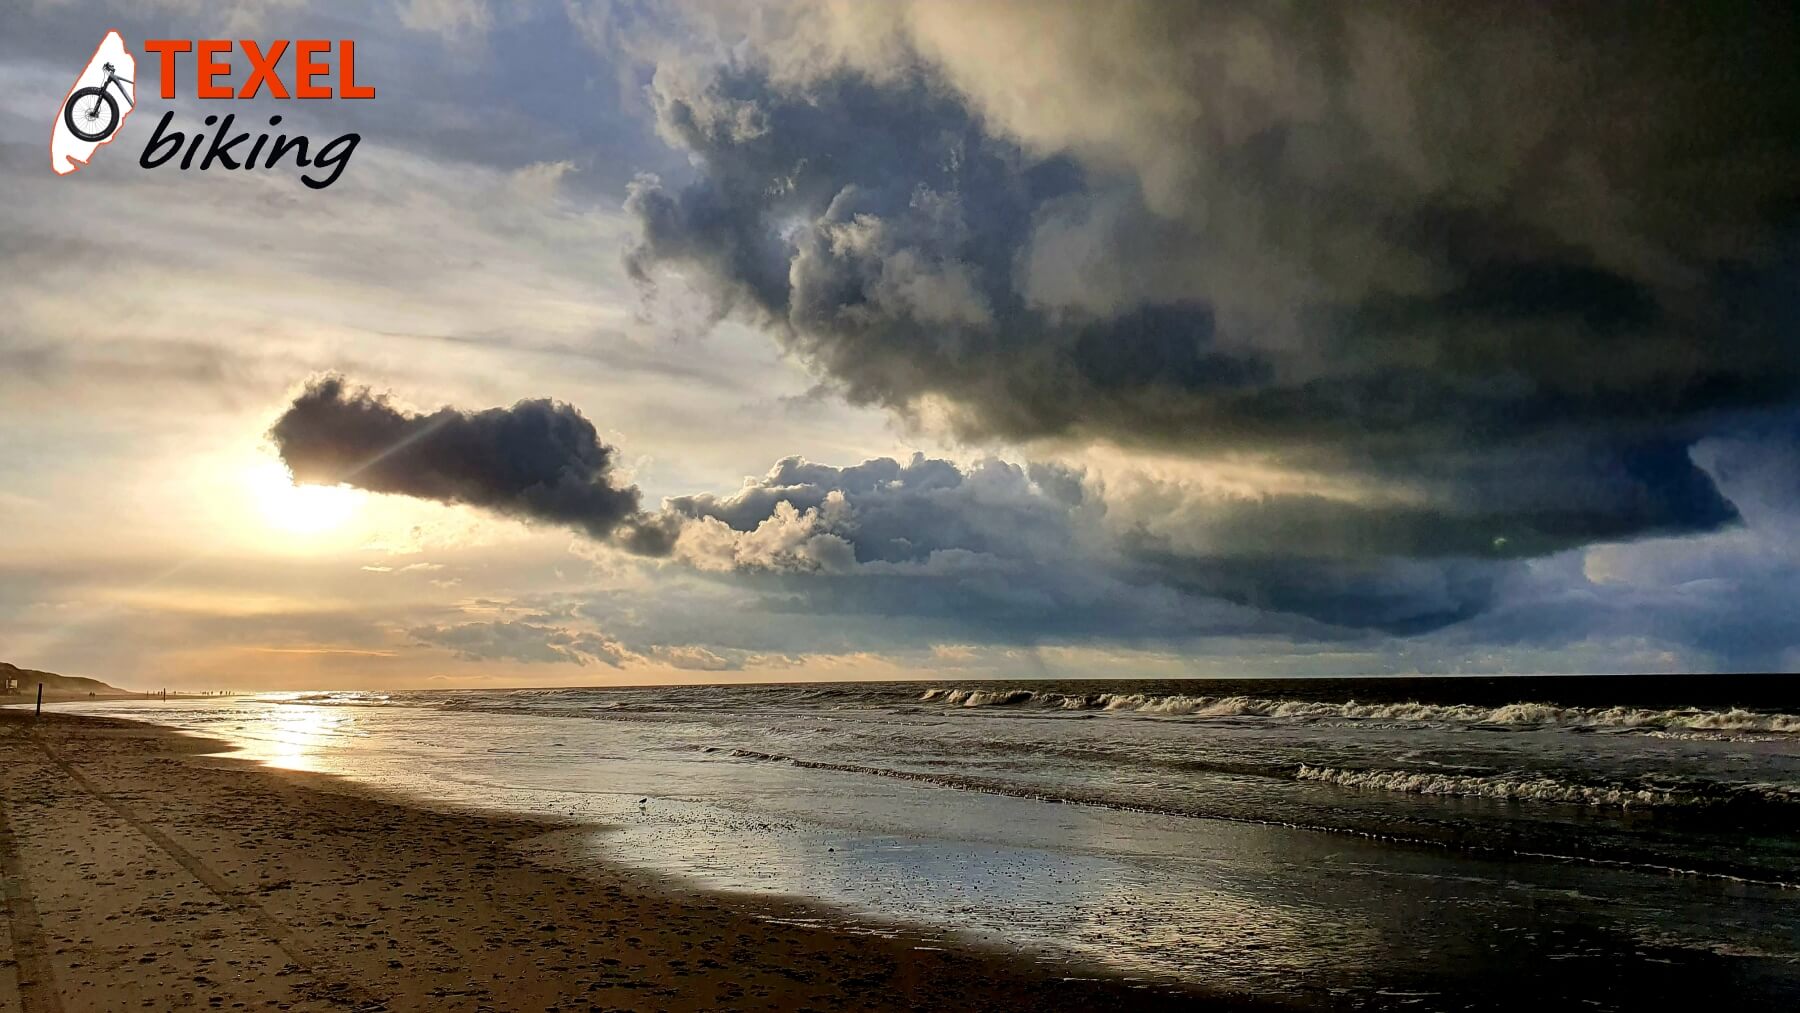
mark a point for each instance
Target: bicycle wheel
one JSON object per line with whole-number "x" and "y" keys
{"x": 91, "y": 114}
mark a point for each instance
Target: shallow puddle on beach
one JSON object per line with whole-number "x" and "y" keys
{"x": 1162, "y": 915}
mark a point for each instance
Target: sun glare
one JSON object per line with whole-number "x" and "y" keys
{"x": 301, "y": 509}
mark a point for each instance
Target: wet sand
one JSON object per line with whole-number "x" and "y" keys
{"x": 141, "y": 873}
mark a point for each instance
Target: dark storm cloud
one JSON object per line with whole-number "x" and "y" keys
{"x": 897, "y": 512}
{"x": 1489, "y": 289}
{"x": 1538, "y": 499}
{"x": 1397, "y": 596}
{"x": 993, "y": 549}
{"x": 897, "y": 552}
{"x": 1523, "y": 258}
{"x": 537, "y": 461}
{"x": 1023, "y": 553}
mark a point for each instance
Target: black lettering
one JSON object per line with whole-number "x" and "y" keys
{"x": 148, "y": 159}
{"x": 222, "y": 152}
{"x": 283, "y": 145}
{"x": 187, "y": 160}
{"x": 256, "y": 148}
{"x": 330, "y": 156}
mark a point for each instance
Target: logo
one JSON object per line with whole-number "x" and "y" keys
{"x": 96, "y": 106}
{"x": 106, "y": 92}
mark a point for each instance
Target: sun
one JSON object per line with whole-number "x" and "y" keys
{"x": 300, "y": 509}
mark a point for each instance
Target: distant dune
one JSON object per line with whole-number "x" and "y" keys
{"x": 60, "y": 685}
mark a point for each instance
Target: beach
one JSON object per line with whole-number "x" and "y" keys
{"x": 141, "y": 872}
{"x": 1318, "y": 844}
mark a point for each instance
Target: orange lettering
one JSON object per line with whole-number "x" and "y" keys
{"x": 262, "y": 68}
{"x": 167, "y": 48}
{"x": 347, "y": 86}
{"x": 210, "y": 69}
{"x": 306, "y": 68}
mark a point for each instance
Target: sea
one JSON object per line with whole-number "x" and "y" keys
{"x": 1593, "y": 843}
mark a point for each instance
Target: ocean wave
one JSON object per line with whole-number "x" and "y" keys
{"x": 1514, "y": 786}
{"x": 1522, "y": 715}
{"x": 1414, "y": 833}
{"x": 980, "y": 697}
{"x": 340, "y": 698}
{"x": 1719, "y": 723}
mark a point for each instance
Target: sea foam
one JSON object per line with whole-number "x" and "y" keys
{"x": 1522, "y": 715}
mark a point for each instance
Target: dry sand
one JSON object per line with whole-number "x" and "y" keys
{"x": 139, "y": 873}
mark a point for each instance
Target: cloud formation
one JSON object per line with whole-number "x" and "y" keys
{"x": 1517, "y": 265}
{"x": 1501, "y": 304}
{"x": 1032, "y": 550}
{"x": 990, "y": 549}
{"x": 537, "y": 461}
{"x": 523, "y": 641}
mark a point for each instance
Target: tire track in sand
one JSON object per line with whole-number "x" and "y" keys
{"x": 37, "y": 987}
{"x": 278, "y": 933}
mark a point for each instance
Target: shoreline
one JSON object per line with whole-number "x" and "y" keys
{"x": 145, "y": 870}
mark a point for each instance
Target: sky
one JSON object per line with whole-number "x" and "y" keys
{"x": 645, "y": 342}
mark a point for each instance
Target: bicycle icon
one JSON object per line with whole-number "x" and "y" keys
{"x": 92, "y": 114}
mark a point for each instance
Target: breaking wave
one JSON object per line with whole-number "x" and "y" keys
{"x": 1539, "y": 788}
{"x": 1513, "y": 715}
